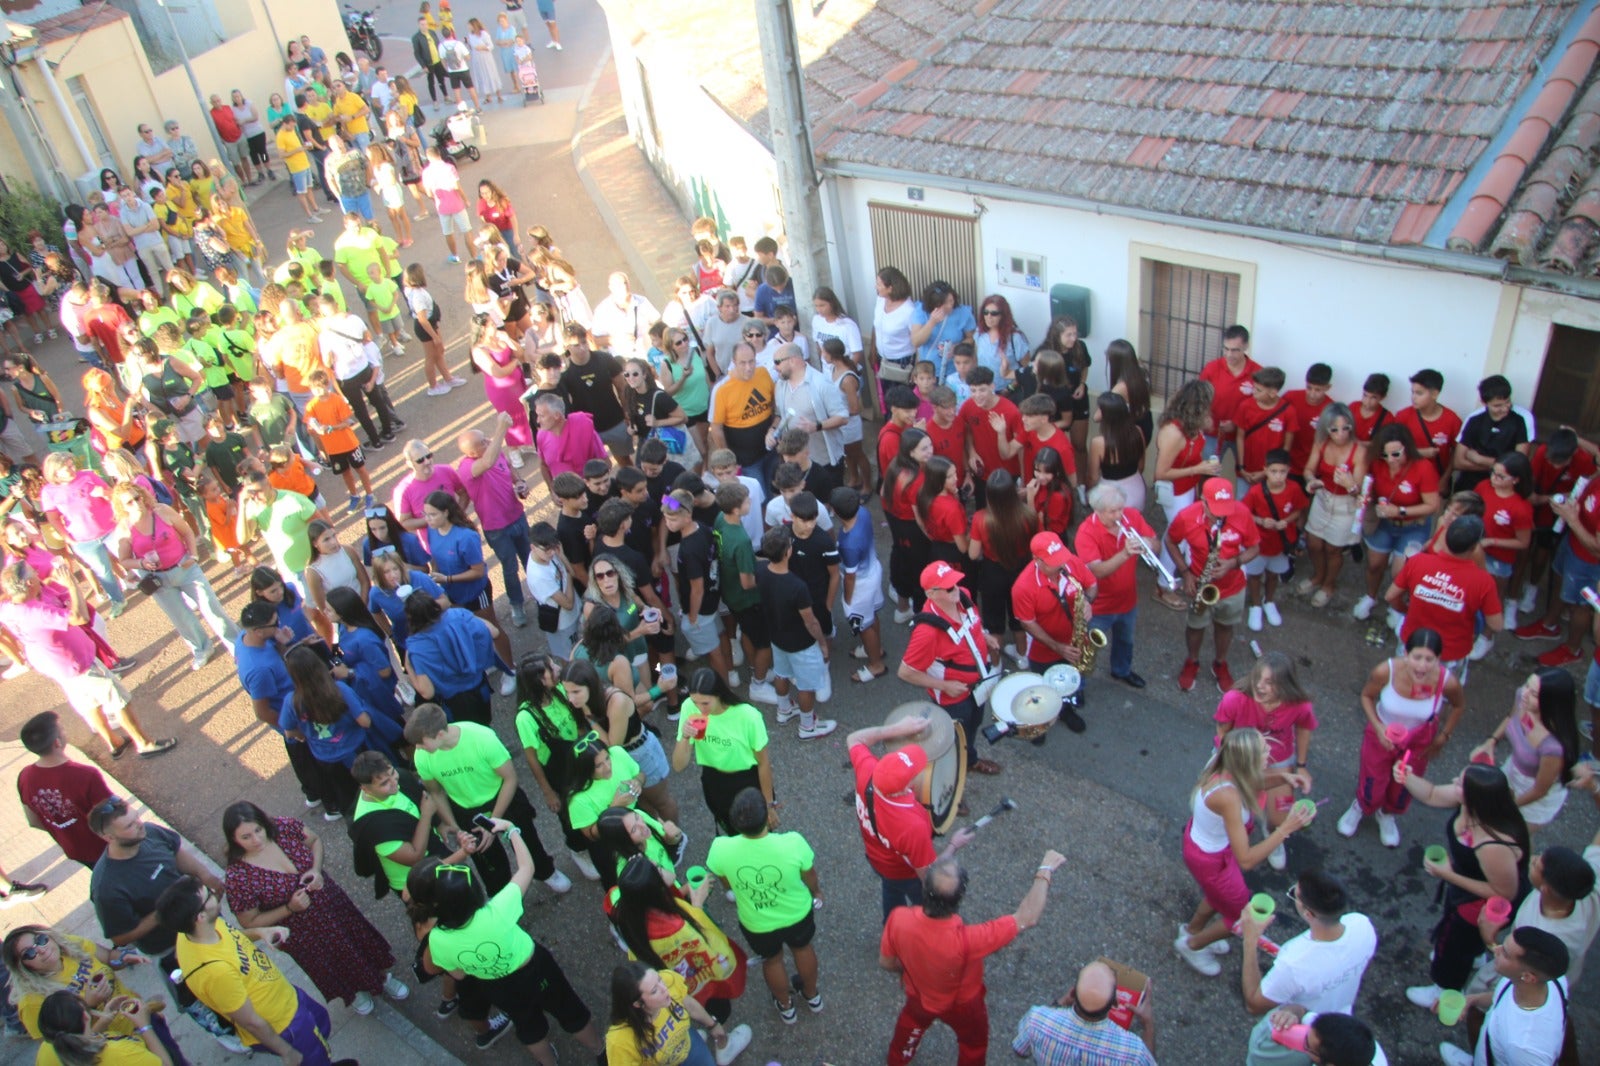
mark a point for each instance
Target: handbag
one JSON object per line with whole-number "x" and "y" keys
{"x": 889, "y": 370}
{"x": 676, "y": 438}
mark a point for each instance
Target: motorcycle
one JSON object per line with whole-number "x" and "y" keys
{"x": 358, "y": 26}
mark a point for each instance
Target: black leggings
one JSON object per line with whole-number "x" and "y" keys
{"x": 258, "y": 150}
{"x": 720, "y": 786}
{"x": 436, "y": 76}
{"x": 357, "y": 396}
{"x": 493, "y": 862}
{"x": 908, "y": 554}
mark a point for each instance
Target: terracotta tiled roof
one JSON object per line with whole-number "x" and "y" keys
{"x": 75, "y": 22}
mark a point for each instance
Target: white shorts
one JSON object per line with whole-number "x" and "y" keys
{"x": 1266, "y": 564}
{"x": 96, "y": 687}
{"x": 851, "y": 432}
{"x": 15, "y": 444}
{"x": 806, "y": 667}
{"x": 863, "y": 608}
{"x": 704, "y": 637}
{"x": 460, "y": 222}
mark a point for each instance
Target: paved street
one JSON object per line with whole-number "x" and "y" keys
{"x": 1114, "y": 800}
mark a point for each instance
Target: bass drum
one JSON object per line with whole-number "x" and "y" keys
{"x": 939, "y": 788}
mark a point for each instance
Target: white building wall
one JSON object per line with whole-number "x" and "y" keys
{"x": 1354, "y": 313}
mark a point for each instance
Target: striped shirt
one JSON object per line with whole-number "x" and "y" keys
{"x": 1057, "y": 1036}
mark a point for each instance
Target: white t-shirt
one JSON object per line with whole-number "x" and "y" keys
{"x": 626, "y": 329}
{"x": 1323, "y": 975}
{"x": 751, "y": 519}
{"x": 547, "y": 579}
{"x": 1522, "y": 1037}
{"x": 341, "y": 340}
{"x": 891, "y": 331}
{"x": 1576, "y": 930}
{"x": 843, "y": 327}
{"x": 778, "y": 513}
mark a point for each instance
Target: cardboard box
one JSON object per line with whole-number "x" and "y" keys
{"x": 1131, "y": 985}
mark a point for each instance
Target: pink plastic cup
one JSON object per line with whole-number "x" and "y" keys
{"x": 1498, "y": 910}
{"x": 1293, "y": 1038}
{"x": 1396, "y": 734}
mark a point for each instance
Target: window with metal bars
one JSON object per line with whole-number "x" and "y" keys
{"x": 1183, "y": 311}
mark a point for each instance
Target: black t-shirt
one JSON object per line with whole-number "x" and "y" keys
{"x": 697, "y": 558}
{"x": 1487, "y": 437}
{"x": 655, "y": 402}
{"x": 590, "y": 388}
{"x": 783, "y": 597}
{"x": 661, "y": 484}
{"x": 812, "y": 557}
{"x": 125, "y": 890}
{"x": 501, "y": 284}
{"x": 591, "y": 506}
{"x": 641, "y": 535}
{"x": 576, "y": 546}
{"x": 638, "y": 564}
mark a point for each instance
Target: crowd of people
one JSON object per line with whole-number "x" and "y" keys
{"x": 711, "y": 496}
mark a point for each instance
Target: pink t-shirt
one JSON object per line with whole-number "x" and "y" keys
{"x": 494, "y": 495}
{"x": 55, "y": 647}
{"x": 575, "y": 445}
{"x": 411, "y": 494}
{"x": 163, "y": 540}
{"x": 1243, "y": 712}
{"x": 443, "y": 183}
{"x": 86, "y": 516}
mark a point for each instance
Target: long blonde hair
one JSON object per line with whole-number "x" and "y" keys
{"x": 26, "y": 981}
{"x": 1238, "y": 758}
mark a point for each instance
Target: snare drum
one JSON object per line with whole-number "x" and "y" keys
{"x": 940, "y": 788}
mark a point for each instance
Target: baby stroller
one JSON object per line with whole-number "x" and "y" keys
{"x": 528, "y": 77}
{"x": 450, "y": 135}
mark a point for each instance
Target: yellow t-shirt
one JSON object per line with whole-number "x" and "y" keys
{"x": 182, "y": 200}
{"x": 119, "y": 1051}
{"x": 295, "y": 157}
{"x": 670, "y": 1028}
{"x": 322, "y": 115}
{"x": 347, "y": 109}
{"x": 234, "y": 971}
{"x": 235, "y": 226}
{"x": 75, "y": 975}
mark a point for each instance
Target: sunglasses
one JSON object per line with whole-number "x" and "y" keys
{"x": 755, "y": 333}
{"x": 672, "y": 504}
{"x": 680, "y": 342}
{"x": 631, "y": 374}
{"x": 425, "y": 457}
{"x": 598, "y": 574}
{"x": 987, "y": 311}
{"x": 589, "y": 740}
{"x": 31, "y": 953}
{"x": 377, "y": 512}
{"x": 1394, "y": 455}
{"x": 454, "y": 868}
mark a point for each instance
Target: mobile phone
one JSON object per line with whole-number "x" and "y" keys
{"x": 483, "y": 821}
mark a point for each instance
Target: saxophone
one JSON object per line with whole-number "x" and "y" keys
{"x": 1207, "y": 594}
{"x": 1085, "y": 638}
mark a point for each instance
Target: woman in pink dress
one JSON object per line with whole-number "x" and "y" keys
{"x": 500, "y": 362}
{"x": 274, "y": 877}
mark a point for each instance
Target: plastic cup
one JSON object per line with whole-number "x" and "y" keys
{"x": 1436, "y": 853}
{"x": 695, "y": 876}
{"x": 1396, "y": 733}
{"x": 1497, "y": 910}
{"x": 1262, "y": 906}
{"x": 1292, "y": 1037}
{"x": 696, "y": 728}
{"x": 652, "y": 615}
{"x": 1306, "y": 807}
{"x": 1483, "y": 758}
{"x": 1451, "y": 1004}
{"x": 669, "y": 675}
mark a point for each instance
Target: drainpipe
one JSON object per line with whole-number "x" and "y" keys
{"x": 88, "y": 157}
{"x": 25, "y": 126}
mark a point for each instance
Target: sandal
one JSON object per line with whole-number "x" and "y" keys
{"x": 1172, "y": 601}
{"x": 985, "y": 766}
{"x": 121, "y": 749}
{"x": 864, "y": 674}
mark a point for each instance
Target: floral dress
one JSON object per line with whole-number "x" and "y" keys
{"x": 332, "y": 941}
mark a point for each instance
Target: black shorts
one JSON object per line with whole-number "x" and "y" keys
{"x": 753, "y": 624}
{"x": 481, "y": 602}
{"x": 433, "y": 319}
{"x": 537, "y": 989}
{"x": 698, "y": 420}
{"x": 1546, "y": 539}
{"x": 459, "y": 79}
{"x": 771, "y": 945}
{"x": 223, "y": 392}
{"x": 355, "y": 460}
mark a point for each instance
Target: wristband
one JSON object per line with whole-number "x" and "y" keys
{"x": 142, "y": 1029}
{"x": 655, "y": 692}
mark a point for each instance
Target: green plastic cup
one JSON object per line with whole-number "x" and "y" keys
{"x": 695, "y": 876}
{"x": 1308, "y": 806}
{"x": 1435, "y": 853}
{"x": 1451, "y": 1004}
{"x": 1262, "y": 906}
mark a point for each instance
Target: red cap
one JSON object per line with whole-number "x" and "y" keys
{"x": 1048, "y": 549}
{"x": 940, "y": 576}
{"x": 1218, "y": 494}
{"x": 896, "y": 770}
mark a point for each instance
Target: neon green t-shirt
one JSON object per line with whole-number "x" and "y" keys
{"x": 466, "y": 771}
{"x": 149, "y": 320}
{"x": 764, "y": 873}
{"x": 365, "y": 804}
{"x": 732, "y": 737}
{"x": 491, "y": 945}
{"x": 654, "y": 850}
{"x": 567, "y": 724}
{"x": 384, "y": 296}
{"x": 355, "y": 250}
{"x": 586, "y": 807}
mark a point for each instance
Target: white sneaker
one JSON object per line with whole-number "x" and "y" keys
{"x": 455, "y": 383}
{"x": 1279, "y": 858}
{"x": 1424, "y": 996}
{"x": 514, "y": 457}
{"x": 739, "y": 1038}
{"x": 1017, "y": 656}
{"x": 1363, "y": 608}
{"x": 1454, "y": 1056}
{"x": 362, "y": 1003}
{"x": 763, "y": 691}
{"x": 824, "y": 691}
{"x": 558, "y": 883}
{"x": 1219, "y": 947}
{"x": 738, "y": 654}
{"x": 820, "y": 727}
{"x": 508, "y": 684}
{"x": 395, "y": 988}
{"x": 585, "y": 866}
{"x": 1274, "y": 616}
{"x": 1350, "y": 820}
{"x": 1395, "y": 619}
{"x": 437, "y": 390}
{"x": 859, "y": 652}
{"x": 1530, "y": 599}
{"x": 230, "y": 1043}
{"x": 787, "y": 714}
{"x": 733, "y": 679}
{"x": 1480, "y": 647}
{"x": 1388, "y": 830}
{"x": 902, "y": 617}
{"x": 1253, "y": 619}
{"x": 1508, "y": 612}
{"x": 1202, "y": 961}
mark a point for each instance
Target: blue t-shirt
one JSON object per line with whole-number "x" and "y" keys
{"x": 411, "y": 549}
{"x": 988, "y": 353}
{"x": 453, "y": 653}
{"x": 293, "y": 615}
{"x": 456, "y": 552}
{"x": 381, "y": 601}
{"x": 261, "y": 671}
{"x": 365, "y": 653}
{"x": 336, "y": 743}
{"x": 856, "y": 547}
{"x": 945, "y": 336}
{"x": 769, "y": 299}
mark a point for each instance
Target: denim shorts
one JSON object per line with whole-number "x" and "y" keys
{"x": 1393, "y": 537}
{"x": 1576, "y": 575}
{"x": 805, "y": 667}
{"x": 302, "y": 181}
{"x": 1497, "y": 567}
{"x": 1266, "y": 564}
{"x": 703, "y": 637}
{"x": 652, "y": 760}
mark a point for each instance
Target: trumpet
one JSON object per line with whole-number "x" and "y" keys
{"x": 1148, "y": 553}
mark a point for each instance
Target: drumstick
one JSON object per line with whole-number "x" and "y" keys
{"x": 1006, "y": 804}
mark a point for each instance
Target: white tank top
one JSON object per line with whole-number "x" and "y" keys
{"x": 1206, "y": 827}
{"x": 337, "y": 572}
{"x": 1409, "y": 711}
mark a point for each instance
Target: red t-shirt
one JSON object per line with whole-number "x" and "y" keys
{"x": 227, "y": 125}
{"x": 951, "y": 442}
{"x": 903, "y": 842}
{"x": 980, "y": 535}
{"x": 931, "y": 644}
{"x": 62, "y": 797}
{"x": 1441, "y": 433}
{"x": 1307, "y": 415}
{"x": 1446, "y": 594}
{"x": 1240, "y": 711}
{"x": 1549, "y": 479}
{"x": 942, "y": 958}
{"x": 1238, "y": 533}
{"x": 1365, "y": 425}
{"x": 1291, "y": 502}
{"x": 1036, "y": 599}
{"x": 1055, "y": 508}
{"x": 1031, "y": 444}
{"x": 1589, "y": 515}
{"x": 946, "y": 520}
{"x": 902, "y": 503}
{"x": 1264, "y": 429}
{"x": 1231, "y": 389}
{"x": 104, "y": 324}
{"x": 1193, "y": 450}
{"x": 1503, "y": 516}
{"x": 1119, "y": 592}
{"x": 888, "y": 444}
{"x": 1404, "y": 489}
{"x": 985, "y": 442}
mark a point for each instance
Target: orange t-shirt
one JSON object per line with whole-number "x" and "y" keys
{"x": 294, "y": 478}
{"x": 112, "y": 411}
{"x": 330, "y": 409}
{"x": 294, "y": 352}
{"x": 223, "y": 531}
